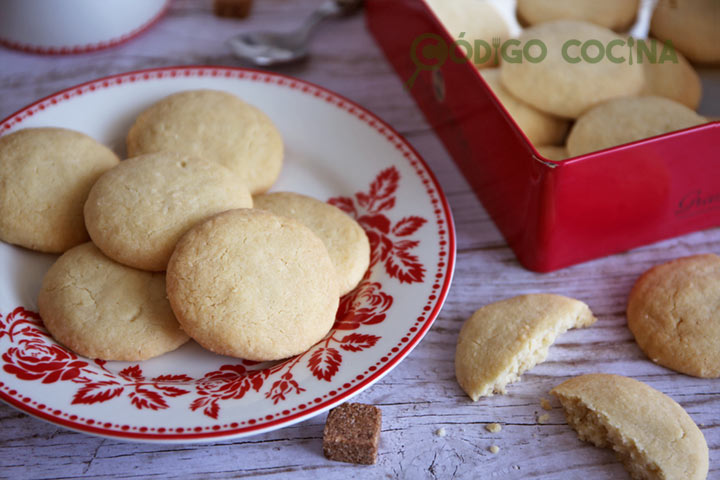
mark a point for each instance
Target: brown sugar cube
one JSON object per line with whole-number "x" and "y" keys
{"x": 352, "y": 433}
{"x": 232, "y": 8}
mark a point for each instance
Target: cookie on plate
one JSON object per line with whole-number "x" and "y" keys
{"x": 691, "y": 25}
{"x": 251, "y": 284}
{"x": 626, "y": 120}
{"x": 45, "y": 177}
{"x": 540, "y": 128}
{"x": 344, "y": 238}
{"x": 674, "y": 314}
{"x": 506, "y": 338}
{"x": 101, "y": 309}
{"x": 674, "y": 80}
{"x": 216, "y": 126}
{"x": 651, "y": 434}
{"x": 137, "y": 211}
{"x": 614, "y": 14}
{"x": 473, "y": 20}
{"x": 569, "y": 88}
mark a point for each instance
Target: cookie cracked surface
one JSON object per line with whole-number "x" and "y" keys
{"x": 102, "y": 309}
{"x": 250, "y": 284}
{"x": 674, "y": 313}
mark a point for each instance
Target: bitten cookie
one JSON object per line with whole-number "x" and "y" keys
{"x": 676, "y": 81}
{"x": 101, "y": 309}
{"x": 472, "y": 20}
{"x": 504, "y": 339}
{"x": 45, "y": 177}
{"x": 569, "y": 88}
{"x": 651, "y": 434}
{"x": 216, "y": 126}
{"x": 626, "y": 120}
{"x": 250, "y": 284}
{"x": 691, "y": 25}
{"x": 137, "y": 211}
{"x": 674, "y": 313}
{"x": 343, "y": 237}
{"x": 540, "y": 128}
{"x": 614, "y": 14}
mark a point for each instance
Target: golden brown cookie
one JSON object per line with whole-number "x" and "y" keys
{"x": 674, "y": 313}
{"x": 691, "y": 25}
{"x": 137, "y": 211}
{"x": 216, "y": 126}
{"x": 250, "y": 284}
{"x": 45, "y": 177}
{"x": 674, "y": 80}
{"x": 626, "y": 120}
{"x": 473, "y": 20}
{"x": 540, "y": 128}
{"x": 343, "y": 237}
{"x": 504, "y": 339}
{"x": 552, "y": 152}
{"x": 101, "y": 309}
{"x": 651, "y": 434}
{"x": 614, "y": 14}
{"x": 568, "y": 88}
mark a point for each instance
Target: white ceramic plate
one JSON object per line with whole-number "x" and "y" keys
{"x": 75, "y": 26}
{"x": 336, "y": 151}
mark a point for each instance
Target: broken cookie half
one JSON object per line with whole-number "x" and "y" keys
{"x": 652, "y": 435}
{"x": 504, "y": 339}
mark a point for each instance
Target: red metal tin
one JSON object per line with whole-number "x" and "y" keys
{"x": 553, "y": 214}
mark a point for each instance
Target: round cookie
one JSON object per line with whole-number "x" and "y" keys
{"x": 651, "y": 434}
{"x": 344, "y": 238}
{"x": 552, "y": 152}
{"x": 216, "y": 126}
{"x": 674, "y": 314}
{"x": 614, "y": 14}
{"x": 540, "y": 128}
{"x": 137, "y": 211}
{"x": 472, "y": 20}
{"x": 251, "y": 284}
{"x": 625, "y": 120}
{"x": 101, "y": 309}
{"x": 691, "y": 25}
{"x": 676, "y": 81}
{"x": 560, "y": 87}
{"x": 45, "y": 177}
{"x": 502, "y": 340}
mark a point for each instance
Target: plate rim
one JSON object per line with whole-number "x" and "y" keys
{"x": 91, "y": 47}
{"x": 310, "y": 411}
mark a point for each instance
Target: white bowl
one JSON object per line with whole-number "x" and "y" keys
{"x": 74, "y": 26}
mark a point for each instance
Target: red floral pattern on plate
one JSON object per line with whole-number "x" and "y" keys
{"x": 36, "y": 357}
{"x": 387, "y": 240}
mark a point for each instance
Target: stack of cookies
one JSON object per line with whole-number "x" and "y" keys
{"x": 176, "y": 249}
{"x": 605, "y": 88}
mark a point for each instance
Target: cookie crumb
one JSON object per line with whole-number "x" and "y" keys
{"x": 493, "y": 427}
{"x": 545, "y": 404}
{"x": 494, "y": 449}
{"x": 352, "y": 433}
{"x": 543, "y": 418}
{"x": 441, "y": 432}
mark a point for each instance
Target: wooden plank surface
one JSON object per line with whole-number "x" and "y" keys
{"x": 420, "y": 395}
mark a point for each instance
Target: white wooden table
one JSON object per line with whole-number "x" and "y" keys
{"x": 420, "y": 395}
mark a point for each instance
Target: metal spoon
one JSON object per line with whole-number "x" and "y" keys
{"x": 265, "y": 49}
